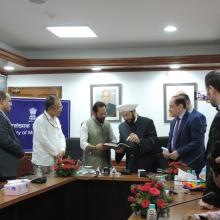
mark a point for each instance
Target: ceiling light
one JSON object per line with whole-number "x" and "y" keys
{"x": 9, "y": 68}
{"x": 72, "y": 31}
{"x": 174, "y": 66}
{"x": 96, "y": 68}
{"x": 170, "y": 28}
{"x": 38, "y": 1}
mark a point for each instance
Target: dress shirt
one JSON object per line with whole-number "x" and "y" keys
{"x": 48, "y": 140}
{"x": 84, "y": 136}
{"x": 180, "y": 120}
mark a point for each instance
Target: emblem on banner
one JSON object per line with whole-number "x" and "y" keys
{"x": 32, "y": 116}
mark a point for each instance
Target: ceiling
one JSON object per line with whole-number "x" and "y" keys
{"x": 118, "y": 24}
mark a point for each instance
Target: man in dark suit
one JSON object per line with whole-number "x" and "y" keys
{"x": 212, "y": 83}
{"x": 186, "y": 137}
{"x": 110, "y": 108}
{"x": 10, "y": 147}
{"x": 139, "y": 133}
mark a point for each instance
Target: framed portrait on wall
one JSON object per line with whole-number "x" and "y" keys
{"x": 3, "y": 82}
{"x": 110, "y": 94}
{"x": 172, "y": 89}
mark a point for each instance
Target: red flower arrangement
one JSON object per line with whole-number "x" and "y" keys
{"x": 65, "y": 167}
{"x": 151, "y": 192}
{"x": 173, "y": 169}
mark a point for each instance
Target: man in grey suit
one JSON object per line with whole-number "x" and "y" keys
{"x": 10, "y": 147}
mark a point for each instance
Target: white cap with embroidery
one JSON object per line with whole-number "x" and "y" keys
{"x": 126, "y": 107}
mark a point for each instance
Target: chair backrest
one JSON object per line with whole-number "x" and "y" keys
{"x": 25, "y": 167}
{"x": 73, "y": 149}
{"x": 161, "y": 142}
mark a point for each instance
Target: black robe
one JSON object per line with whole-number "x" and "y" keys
{"x": 142, "y": 155}
{"x": 213, "y": 141}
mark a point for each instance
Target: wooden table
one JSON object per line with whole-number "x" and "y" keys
{"x": 34, "y": 190}
{"x": 82, "y": 198}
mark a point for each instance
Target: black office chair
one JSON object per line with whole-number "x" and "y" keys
{"x": 73, "y": 149}
{"x": 161, "y": 142}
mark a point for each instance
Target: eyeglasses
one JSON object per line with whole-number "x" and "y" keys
{"x": 8, "y": 101}
{"x": 60, "y": 107}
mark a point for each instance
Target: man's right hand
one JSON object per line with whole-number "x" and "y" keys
{"x": 205, "y": 205}
{"x": 166, "y": 155}
{"x": 120, "y": 150}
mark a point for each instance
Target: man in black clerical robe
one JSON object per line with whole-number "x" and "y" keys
{"x": 212, "y": 83}
{"x": 139, "y": 133}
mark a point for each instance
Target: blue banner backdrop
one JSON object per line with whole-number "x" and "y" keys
{"x": 23, "y": 114}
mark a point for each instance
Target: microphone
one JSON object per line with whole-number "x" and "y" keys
{"x": 208, "y": 196}
{"x": 42, "y": 179}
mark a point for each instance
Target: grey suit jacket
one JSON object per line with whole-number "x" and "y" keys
{"x": 10, "y": 149}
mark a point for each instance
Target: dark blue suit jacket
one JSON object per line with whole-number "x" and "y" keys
{"x": 10, "y": 149}
{"x": 201, "y": 117}
{"x": 190, "y": 141}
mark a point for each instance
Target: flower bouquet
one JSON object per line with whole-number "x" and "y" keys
{"x": 151, "y": 192}
{"x": 65, "y": 167}
{"x": 172, "y": 170}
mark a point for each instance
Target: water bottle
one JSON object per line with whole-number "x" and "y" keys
{"x": 194, "y": 174}
{"x": 151, "y": 213}
{"x": 202, "y": 174}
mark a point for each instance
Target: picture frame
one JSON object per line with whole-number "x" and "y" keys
{"x": 110, "y": 94}
{"x": 171, "y": 89}
{"x": 3, "y": 82}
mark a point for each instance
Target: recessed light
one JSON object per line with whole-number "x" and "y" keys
{"x": 9, "y": 68}
{"x": 72, "y": 31}
{"x": 38, "y": 1}
{"x": 170, "y": 28}
{"x": 96, "y": 68}
{"x": 174, "y": 66}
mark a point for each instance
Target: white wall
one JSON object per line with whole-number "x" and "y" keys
{"x": 143, "y": 88}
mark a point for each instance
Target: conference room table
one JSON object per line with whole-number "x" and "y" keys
{"x": 83, "y": 198}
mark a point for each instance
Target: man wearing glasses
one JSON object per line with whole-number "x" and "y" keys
{"x": 48, "y": 139}
{"x": 10, "y": 147}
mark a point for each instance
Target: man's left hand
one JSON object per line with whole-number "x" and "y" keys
{"x": 174, "y": 155}
{"x": 133, "y": 138}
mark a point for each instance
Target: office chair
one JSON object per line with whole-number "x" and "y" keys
{"x": 73, "y": 149}
{"x": 25, "y": 167}
{"x": 161, "y": 142}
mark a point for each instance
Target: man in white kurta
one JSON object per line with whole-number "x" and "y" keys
{"x": 48, "y": 139}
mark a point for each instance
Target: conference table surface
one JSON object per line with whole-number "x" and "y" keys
{"x": 176, "y": 212}
{"x": 55, "y": 182}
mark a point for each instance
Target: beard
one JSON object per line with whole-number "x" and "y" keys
{"x": 131, "y": 121}
{"x": 213, "y": 104}
{"x": 100, "y": 120}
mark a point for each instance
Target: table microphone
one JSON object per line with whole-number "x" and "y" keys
{"x": 206, "y": 197}
{"x": 40, "y": 180}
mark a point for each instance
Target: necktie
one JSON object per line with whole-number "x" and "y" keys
{"x": 175, "y": 132}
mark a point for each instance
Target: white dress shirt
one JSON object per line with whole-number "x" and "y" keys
{"x": 48, "y": 140}
{"x": 84, "y": 136}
